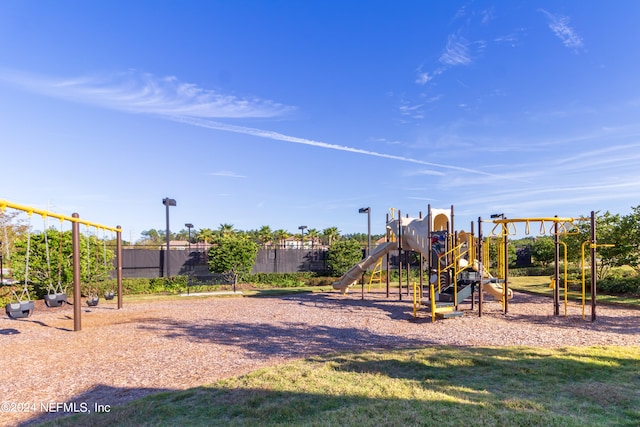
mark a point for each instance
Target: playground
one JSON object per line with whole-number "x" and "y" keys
{"x": 182, "y": 342}
{"x": 56, "y": 364}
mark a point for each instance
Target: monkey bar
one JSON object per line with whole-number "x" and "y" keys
{"x": 559, "y": 225}
{"x": 564, "y": 224}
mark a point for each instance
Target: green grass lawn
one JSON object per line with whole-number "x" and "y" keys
{"x": 439, "y": 386}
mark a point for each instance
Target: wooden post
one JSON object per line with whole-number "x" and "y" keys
{"x": 119, "y": 264}
{"x": 421, "y": 265}
{"x": 480, "y": 266}
{"x": 388, "y": 257}
{"x": 556, "y": 270}
{"x": 399, "y": 255}
{"x": 505, "y": 286}
{"x": 77, "y": 294}
{"x": 594, "y": 266}
{"x": 429, "y": 246}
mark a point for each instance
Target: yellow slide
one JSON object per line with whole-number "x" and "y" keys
{"x": 355, "y": 272}
{"x": 494, "y": 289}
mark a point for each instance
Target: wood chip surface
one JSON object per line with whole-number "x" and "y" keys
{"x": 153, "y": 346}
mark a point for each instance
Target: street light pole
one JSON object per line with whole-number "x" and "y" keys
{"x": 302, "y": 228}
{"x": 368, "y": 212}
{"x": 168, "y": 202}
{"x": 189, "y": 227}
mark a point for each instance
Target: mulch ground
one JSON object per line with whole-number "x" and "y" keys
{"x": 173, "y": 344}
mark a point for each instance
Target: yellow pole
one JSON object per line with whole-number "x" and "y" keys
{"x": 583, "y": 281}
{"x": 565, "y": 277}
{"x": 415, "y": 301}
{"x": 432, "y": 296}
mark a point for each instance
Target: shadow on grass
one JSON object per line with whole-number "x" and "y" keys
{"x": 99, "y": 398}
{"x": 437, "y": 386}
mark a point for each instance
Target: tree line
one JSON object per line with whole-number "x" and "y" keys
{"x": 263, "y": 236}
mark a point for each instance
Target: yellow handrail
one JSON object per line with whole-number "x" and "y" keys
{"x": 457, "y": 256}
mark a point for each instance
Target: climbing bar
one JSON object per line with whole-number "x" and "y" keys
{"x": 29, "y": 210}
{"x": 565, "y": 225}
{"x": 509, "y": 227}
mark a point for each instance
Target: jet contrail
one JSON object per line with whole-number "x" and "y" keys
{"x": 210, "y": 124}
{"x": 168, "y": 98}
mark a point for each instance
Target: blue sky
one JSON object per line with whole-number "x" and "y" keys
{"x": 289, "y": 113}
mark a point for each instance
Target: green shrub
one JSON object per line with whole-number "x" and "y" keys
{"x": 343, "y": 254}
{"x": 621, "y": 273}
{"x": 531, "y": 271}
{"x": 620, "y": 286}
{"x": 281, "y": 280}
{"x": 173, "y": 285}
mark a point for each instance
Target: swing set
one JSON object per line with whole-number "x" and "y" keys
{"x": 23, "y": 306}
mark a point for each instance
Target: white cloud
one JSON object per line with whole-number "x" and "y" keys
{"x": 138, "y": 92}
{"x": 487, "y": 15}
{"x": 423, "y": 78}
{"x": 227, "y": 174}
{"x": 560, "y": 26}
{"x": 425, "y": 172}
{"x": 456, "y": 51}
{"x": 413, "y": 111}
{"x": 186, "y": 103}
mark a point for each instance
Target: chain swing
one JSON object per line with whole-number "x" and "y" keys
{"x": 109, "y": 294}
{"x": 55, "y": 296}
{"x": 92, "y": 298}
{"x": 21, "y": 308}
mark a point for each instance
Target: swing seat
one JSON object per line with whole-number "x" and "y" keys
{"x": 19, "y": 310}
{"x": 55, "y": 300}
{"x": 93, "y": 301}
{"x": 109, "y": 296}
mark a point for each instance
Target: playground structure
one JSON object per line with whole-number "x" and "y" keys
{"x": 24, "y": 306}
{"x": 455, "y": 264}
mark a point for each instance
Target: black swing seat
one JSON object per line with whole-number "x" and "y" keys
{"x": 93, "y": 301}
{"x": 109, "y": 295}
{"x": 55, "y": 300}
{"x": 19, "y": 310}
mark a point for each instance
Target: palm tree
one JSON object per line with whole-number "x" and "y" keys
{"x": 264, "y": 235}
{"x": 226, "y": 229}
{"x": 281, "y": 235}
{"x": 331, "y": 234}
{"x": 204, "y": 235}
{"x": 312, "y": 234}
